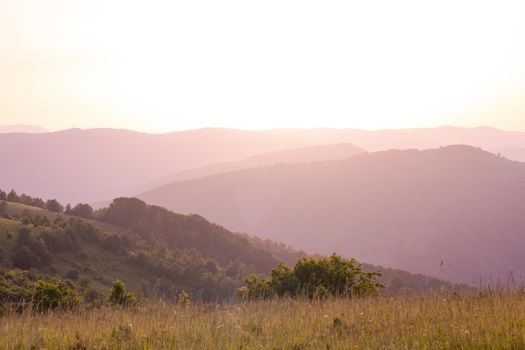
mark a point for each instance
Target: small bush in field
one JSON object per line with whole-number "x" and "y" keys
{"x": 184, "y": 299}
{"x": 119, "y": 296}
{"x": 50, "y": 295}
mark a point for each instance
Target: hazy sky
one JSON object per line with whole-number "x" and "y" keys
{"x": 168, "y": 65}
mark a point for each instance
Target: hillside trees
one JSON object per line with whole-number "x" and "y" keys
{"x": 81, "y": 210}
{"x": 54, "y": 206}
{"x": 314, "y": 278}
{"x": 54, "y": 295}
{"x": 30, "y": 252}
{"x": 12, "y": 196}
{"x": 25, "y": 259}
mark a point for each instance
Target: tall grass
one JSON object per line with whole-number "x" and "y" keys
{"x": 469, "y": 321}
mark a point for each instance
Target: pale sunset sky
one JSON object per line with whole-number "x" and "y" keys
{"x": 161, "y": 66}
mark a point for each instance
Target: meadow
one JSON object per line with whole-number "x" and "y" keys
{"x": 480, "y": 320}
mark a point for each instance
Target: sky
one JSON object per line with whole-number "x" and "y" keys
{"x": 160, "y": 66}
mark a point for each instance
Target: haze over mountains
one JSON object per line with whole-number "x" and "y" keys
{"x": 294, "y": 155}
{"x": 97, "y": 164}
{"x": 455, "y": 212}
{"x": 31, "y": 129}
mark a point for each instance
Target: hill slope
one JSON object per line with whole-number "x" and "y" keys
{"x": 455, "y": 212}
{"x": 155, "y": 252}
{"x": 294, "y": 155}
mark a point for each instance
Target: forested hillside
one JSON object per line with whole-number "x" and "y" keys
{"x": 157, "y": 253}
{"x": 454, "y": 212}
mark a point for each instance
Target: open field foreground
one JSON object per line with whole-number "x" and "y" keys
{"x": 474, "y": 321}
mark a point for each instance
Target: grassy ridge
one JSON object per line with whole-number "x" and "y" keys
{"x": 469, "y": 321}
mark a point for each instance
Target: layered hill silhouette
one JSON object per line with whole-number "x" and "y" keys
{"x": 294, "y": 155}
{"x": 455, "y": 212}
{"x": 98, "y": 164}
{"x": 513, "y": 153}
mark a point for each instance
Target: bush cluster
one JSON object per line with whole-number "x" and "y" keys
{"x": 313, "y": 278}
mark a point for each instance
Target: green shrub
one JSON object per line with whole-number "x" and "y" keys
{"x": 313, "y": 278}
{"x": 49, "y": 295}
{"x": 184, "y": 299}
{"x": 25, "y": 259}
{"x": 119, "y": 296}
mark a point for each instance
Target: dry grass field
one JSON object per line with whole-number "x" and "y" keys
{"x": 473, "y": 321}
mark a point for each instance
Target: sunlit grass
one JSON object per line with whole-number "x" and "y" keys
{"x": 471, "y": 321}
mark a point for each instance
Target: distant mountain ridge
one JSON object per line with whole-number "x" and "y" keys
{"x": 294, "y": 155}
{"x": 20, "y": 128}
{"x": 454, "y": 212}
{"x": 97, "y": 164}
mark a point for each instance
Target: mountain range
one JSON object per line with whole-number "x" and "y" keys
{"x": 99, "y": 164}
{"x": 454, "y": 212}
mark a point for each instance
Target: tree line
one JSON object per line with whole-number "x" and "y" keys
{"x": 81, "y": 209}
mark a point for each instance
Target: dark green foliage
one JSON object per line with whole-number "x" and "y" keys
{"x": 23, "y": 237}
{"x": 186, "y": 232}
{"x": 59, "y": 241}
{"x": 41, "y": 221}
{"x": 119, "y": 296}
{"x": 15, "y": 285}
{"x": 314, "y": 278}
{"x": 12, "y": 196}
{"x": 84, "y": 230}
{"x": 112, "y": 242}
{"x": 3, "y": 195}
{"x": 25, "y": 259}
{"x": 49, "y": 295}
{"x": 40, "y": 250}
{"x": 81, "y": 210}
{"x": 54, "y": 206}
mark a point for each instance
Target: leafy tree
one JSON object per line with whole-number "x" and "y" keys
{"x": 119, "y": 296}
{"x": 59, "y": 241}
{"x": 38, "y": 248}
{"x": 12, "y": 196}
{"x": 54, "y": 206}
{"x": 54, "y": 295}
{"x": 23, "y": 237}
{"x": 25, "y": 259}
{"x": 314, "y": 278}
{"x": 82, "y": 210}
{"x": 25, "y": 199}
{"x": 38, "y": 202}
{"x": 3, "y": 195}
